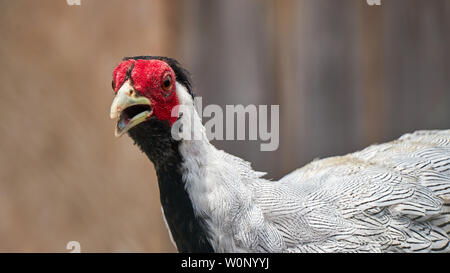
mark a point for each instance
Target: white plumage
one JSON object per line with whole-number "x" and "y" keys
{"x": 392, "y": 197}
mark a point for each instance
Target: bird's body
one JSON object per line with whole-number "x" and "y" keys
{"x": 392, "y": 197}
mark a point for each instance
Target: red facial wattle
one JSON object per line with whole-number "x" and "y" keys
{"x": 147, "y": 77}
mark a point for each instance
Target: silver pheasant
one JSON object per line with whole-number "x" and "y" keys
{"x": 391, "y": 197}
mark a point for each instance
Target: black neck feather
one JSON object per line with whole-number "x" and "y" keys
{"x": 154, "y": 139}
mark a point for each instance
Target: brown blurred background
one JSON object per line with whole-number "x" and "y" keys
{"x": 345, "y": 75}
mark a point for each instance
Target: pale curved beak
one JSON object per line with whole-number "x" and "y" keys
{"x": 129, "y": 108}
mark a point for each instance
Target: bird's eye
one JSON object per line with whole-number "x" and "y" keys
{"x": 167, "y": 83}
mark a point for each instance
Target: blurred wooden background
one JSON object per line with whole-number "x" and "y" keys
{"x": 345, "y": 75}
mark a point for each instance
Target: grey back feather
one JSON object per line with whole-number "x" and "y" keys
{"x": 392, "y": 197}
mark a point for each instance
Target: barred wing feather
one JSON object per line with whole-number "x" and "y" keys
{"x": 392, "y": 197}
